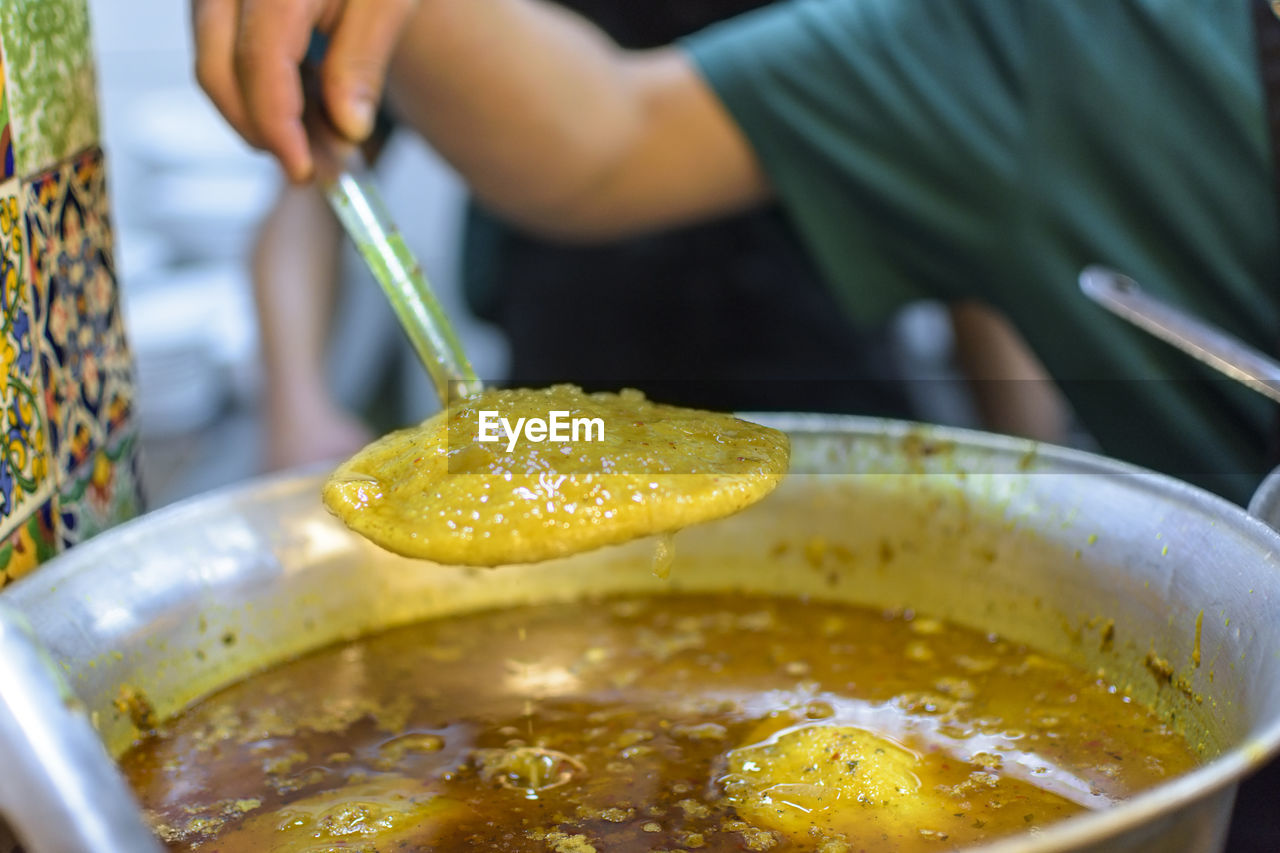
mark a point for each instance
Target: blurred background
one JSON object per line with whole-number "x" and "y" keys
{"x": 188, "y": 199}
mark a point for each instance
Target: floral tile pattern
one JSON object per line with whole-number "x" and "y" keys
{"x": 51, "y": 91}
{"x": 30, "y": 543}
{"x": 24, "y": 463}
{"x": 85, "y": 369}
{"x": 102, "y": 493}
{"x": 68, "y": 442}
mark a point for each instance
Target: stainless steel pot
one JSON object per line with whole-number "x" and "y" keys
{"x": 1043, "y": 545}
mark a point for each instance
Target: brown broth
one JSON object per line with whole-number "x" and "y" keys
{"x": 657, "y": 723}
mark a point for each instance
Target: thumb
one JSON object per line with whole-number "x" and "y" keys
{"x": 354, "y": 70}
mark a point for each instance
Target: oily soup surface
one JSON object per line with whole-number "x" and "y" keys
{"x": 681, "y": 722}
{"x": 437, "y": 492}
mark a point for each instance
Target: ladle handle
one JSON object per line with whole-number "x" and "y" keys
{"x": 357, "y": 204}
{"x": 1123, "y": 297}
{"x": 344, "y": 178}
{"x": 59, "y": 789}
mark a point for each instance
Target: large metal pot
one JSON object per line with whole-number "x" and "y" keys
{"x": 1042, "y": 545}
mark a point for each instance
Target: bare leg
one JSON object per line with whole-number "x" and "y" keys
{"x": 295, "y": 279}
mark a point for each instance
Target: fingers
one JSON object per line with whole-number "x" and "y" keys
{"x": 354, "y": 71}
{"x": 271, "y": 41}
{"x": 215, "y": 24}
{"x": 248, "y": 54}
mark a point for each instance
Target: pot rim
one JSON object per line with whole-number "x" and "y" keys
{"x": 1081, "y": 830}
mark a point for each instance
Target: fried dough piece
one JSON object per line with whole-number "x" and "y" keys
{"x": 826, "y": 776}
{"x": 437, "y": 492}
{"x": 384, "y": 814}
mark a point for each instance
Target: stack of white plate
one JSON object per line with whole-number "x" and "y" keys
{"x": 194, "y": 342}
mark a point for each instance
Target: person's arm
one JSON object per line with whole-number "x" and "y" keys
{"x": 295, "y": 282}
{"x": 556, "y": 127}
{"x": 550, "y": 122}
{"x": 1011, "y": 388}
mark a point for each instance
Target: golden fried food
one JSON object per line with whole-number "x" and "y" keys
{"x": 465, "y": 488}
{"x": 384, "y": 814}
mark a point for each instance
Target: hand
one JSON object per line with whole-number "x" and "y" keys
{"x": 248, "y": 54}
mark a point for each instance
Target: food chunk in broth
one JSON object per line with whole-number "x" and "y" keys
{"x": 385, "y": 813}
{"x": 694, "y": 722}
{"x": 437, "y": 492}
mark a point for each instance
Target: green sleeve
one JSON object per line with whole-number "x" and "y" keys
{"x": 889, "y": 129}
{"x": 991, "y": 149}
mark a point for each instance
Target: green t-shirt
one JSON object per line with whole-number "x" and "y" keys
{"x": 991, "y": 149}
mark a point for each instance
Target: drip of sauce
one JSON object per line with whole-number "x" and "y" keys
{"x": 664, "y": 554}
{"x": 531, "y": 769}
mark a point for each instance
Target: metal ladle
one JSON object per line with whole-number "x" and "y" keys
{"x": 344, "y": 178}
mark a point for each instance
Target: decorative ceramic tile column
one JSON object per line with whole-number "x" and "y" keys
{"x": 68, "y": 443}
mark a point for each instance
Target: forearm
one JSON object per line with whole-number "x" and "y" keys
{"x": 556, "y": 127}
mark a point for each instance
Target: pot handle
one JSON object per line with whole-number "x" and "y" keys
{"x": 1265, "y": 503}
{"x": 59, "y": 789}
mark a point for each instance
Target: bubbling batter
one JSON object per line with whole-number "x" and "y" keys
{"x": 437, "y": 492}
